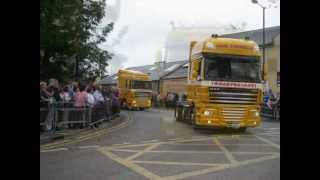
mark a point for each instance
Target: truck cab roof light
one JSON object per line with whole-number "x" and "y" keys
{"x": 214, "y": 35}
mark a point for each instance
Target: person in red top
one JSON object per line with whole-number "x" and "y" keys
{"x": 80, "y": 97}
{"x": 80, "y": 101}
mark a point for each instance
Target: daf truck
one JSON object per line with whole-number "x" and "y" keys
{"x": 224, "y": 88}
{"x": 134, "y": 89}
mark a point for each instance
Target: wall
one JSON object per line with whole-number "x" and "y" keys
{"x": 173, "y": 85}
{"x": 273, "y": 64}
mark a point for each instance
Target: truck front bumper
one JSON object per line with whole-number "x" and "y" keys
{"x": 228, "y": 116}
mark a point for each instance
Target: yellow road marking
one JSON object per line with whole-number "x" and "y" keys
{"x": 163, "y": 142}
{"x": 225, "y": 150}
{"x": 193, "y": 152}
{"x": 138, "y": 169}
{"x": 218, "y": 168}
{"x": 225, "y": 144}
{"x": 130, "y": 145}
{"x": 268, "y": 142}
{"x": 148, "y": 141}
{"x": 178, "y": 163}
{"x": 53, "y": 150}
{"x": 143, "y": 151}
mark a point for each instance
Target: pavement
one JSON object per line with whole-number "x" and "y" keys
{"x": 47, "y": 137}
{"x": 150, "y": 144}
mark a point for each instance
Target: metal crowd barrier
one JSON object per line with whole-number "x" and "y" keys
{"x": 61, "y": 115}
{"x": 273, "y": 114}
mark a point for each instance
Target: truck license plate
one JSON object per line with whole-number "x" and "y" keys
{"x": 235, "y": 126}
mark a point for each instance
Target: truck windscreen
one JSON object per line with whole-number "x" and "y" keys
{"x": 232, "y": 68}
{"x": 141, "y": 84}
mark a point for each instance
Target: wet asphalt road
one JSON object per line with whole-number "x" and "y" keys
{"x": 153, "y": 146}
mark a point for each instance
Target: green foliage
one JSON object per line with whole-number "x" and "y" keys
{"x": 70, "y": 32}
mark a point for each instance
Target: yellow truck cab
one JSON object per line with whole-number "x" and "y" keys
{"x": 135, "y": 89}
{"x": 224, "y": 87}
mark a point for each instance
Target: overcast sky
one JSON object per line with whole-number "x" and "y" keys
{"x": 148, "y": 22}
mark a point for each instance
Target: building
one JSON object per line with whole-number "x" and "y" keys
{"x": 177, "y": 79}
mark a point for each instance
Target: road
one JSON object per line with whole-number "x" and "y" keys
{"x": 151, "y": 145}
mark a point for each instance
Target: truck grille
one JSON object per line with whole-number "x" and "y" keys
{"x": 142, "y": 101}
{"x": 233, "y": 115}
{"x": 232, "y": 95}
{"x": 142, "y": 94}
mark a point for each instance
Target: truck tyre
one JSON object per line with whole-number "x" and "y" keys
{"x": 242, "y": 129}
{"x": 193, "y": 116}
{"x": 178, "y": 113}
{"x": 124, "y": 104}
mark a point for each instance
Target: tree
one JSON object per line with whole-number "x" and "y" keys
{"x": 70, "y": 34}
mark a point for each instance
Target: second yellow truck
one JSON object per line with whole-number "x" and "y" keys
{"x": 135, "y": 89}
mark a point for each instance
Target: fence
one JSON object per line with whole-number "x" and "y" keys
{"x": 273, "y": 114}
{"x": 61, "y": 115}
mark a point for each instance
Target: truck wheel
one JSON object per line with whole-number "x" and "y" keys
{"x": 178, "y": 113}
{"x": 124, "y": 104}
{"x": 193, "y": 117}
{"x": 242, "y": 129}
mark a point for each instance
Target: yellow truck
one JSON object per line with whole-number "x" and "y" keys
{"x": 135, "y": 89}
{"x": 224, "y": 87}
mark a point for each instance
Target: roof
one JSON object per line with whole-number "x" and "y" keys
{"x": 158, "y": 70}
{"x": 155, "y": 71}
{"x": 256, "y": 35}
{"x": 110, "y": 80}
{"x": 181, "y": 72}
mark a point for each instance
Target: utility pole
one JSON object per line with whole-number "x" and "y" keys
{"x": 263, "y": 35}
{"x": 263, "y": 42}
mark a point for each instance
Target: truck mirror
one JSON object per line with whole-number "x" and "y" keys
{"x": 196, "y": 66}
{"x": 199, "y": 78}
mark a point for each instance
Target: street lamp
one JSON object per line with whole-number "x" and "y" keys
{"x": 263, "y": 35}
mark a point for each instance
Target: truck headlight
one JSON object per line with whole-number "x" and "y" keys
{"x": 255, "y": 113}
{"x": 207, "y": 113}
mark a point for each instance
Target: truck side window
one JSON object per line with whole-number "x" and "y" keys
{"x": 128, "y": 84}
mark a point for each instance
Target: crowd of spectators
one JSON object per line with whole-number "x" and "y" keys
{"x": 80, "y": 95}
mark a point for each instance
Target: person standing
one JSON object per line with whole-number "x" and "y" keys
{"x": 80, "y": 101}
{"x": 90, "y": 98}
{"x": 98, "y": 95}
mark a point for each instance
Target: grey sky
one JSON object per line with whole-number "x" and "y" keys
{"x": 148, "y": 22}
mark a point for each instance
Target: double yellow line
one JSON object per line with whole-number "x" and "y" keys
{"x": 77, "y": 139}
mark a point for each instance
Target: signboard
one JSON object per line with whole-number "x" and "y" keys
{"x": 244, "y": 85}
{"x": 234, "y": 84}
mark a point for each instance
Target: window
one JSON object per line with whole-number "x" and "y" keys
{"x": 141, "y": 84}
{"x": 232, "y": 68}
